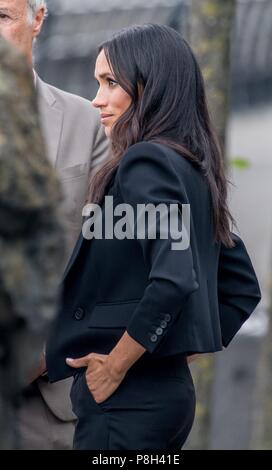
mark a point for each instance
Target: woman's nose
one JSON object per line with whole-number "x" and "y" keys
{"x": 99, "y": 100}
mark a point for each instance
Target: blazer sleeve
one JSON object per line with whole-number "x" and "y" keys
{"x": 145, "y": 175}
{"x": 238, "y": 288}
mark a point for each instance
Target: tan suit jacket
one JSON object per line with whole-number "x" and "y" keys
{"x": 77, "y": 146}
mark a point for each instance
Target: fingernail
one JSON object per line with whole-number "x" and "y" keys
{"x": 69, "y": 359}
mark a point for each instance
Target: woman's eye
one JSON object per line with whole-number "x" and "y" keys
{"x": 111, "y": 82}
{"x": 3, "y": 16}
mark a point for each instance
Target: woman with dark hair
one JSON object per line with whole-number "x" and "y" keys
{"x": 137, "y": 303}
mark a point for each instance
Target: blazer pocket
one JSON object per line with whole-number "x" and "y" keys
{"x": 112, "y": 315}
{"x": 74, "y": 171}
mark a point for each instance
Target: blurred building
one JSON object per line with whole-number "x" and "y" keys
{"x": 66, "y": 50}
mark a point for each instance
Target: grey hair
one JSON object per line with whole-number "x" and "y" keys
{"x": 33, "y": 6}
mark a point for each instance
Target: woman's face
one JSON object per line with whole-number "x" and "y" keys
{"x": 111, "y": 99}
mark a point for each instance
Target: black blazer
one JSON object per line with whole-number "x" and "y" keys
{"x": 171, "y": 302}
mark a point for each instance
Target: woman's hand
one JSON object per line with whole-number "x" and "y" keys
{"x": 105, "y": 372}
{"x": 101, "y": 378}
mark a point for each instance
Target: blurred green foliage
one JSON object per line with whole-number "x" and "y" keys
{"x": 240, "y": 163}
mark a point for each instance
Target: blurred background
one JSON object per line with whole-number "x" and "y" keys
{"x": 232, "y": 40}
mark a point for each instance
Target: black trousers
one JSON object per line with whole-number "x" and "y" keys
{"x": 153, "y": 408}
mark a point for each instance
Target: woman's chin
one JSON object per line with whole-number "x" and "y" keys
{"x": 107, "y": 130}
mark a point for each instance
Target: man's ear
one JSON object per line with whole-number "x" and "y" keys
{"x": 38, "y": 22}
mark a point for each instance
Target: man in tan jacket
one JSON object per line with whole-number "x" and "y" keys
{"x": 76, "y": 147}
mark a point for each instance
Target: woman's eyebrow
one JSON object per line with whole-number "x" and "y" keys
{"x": 104, "y": 75}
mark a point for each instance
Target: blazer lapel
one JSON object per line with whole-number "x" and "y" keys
{"x": 81, "y": 239}
{"x": 78, "y": 245}
{"x": 74, "y": 255}
{"x": 51, "y": 119}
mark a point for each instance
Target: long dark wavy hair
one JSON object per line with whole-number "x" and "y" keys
{"x": 159, "y": 71}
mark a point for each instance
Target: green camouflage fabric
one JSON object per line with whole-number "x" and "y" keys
{"x": 32, "y": 248}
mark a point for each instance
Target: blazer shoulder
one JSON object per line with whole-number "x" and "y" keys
{"x": 146, "y": 174}
{"x": 69, "y": 102}
{"x": 146, "y": 154}
{"x": 153, "y": 158}
{"x": 157, "y": 154}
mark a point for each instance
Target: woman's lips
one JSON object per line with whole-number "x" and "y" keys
{"x": 104, "y": 117}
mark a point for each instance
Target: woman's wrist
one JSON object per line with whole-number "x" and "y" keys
{"x": 116, "y": 367}
{"x": 124, "y": 355}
